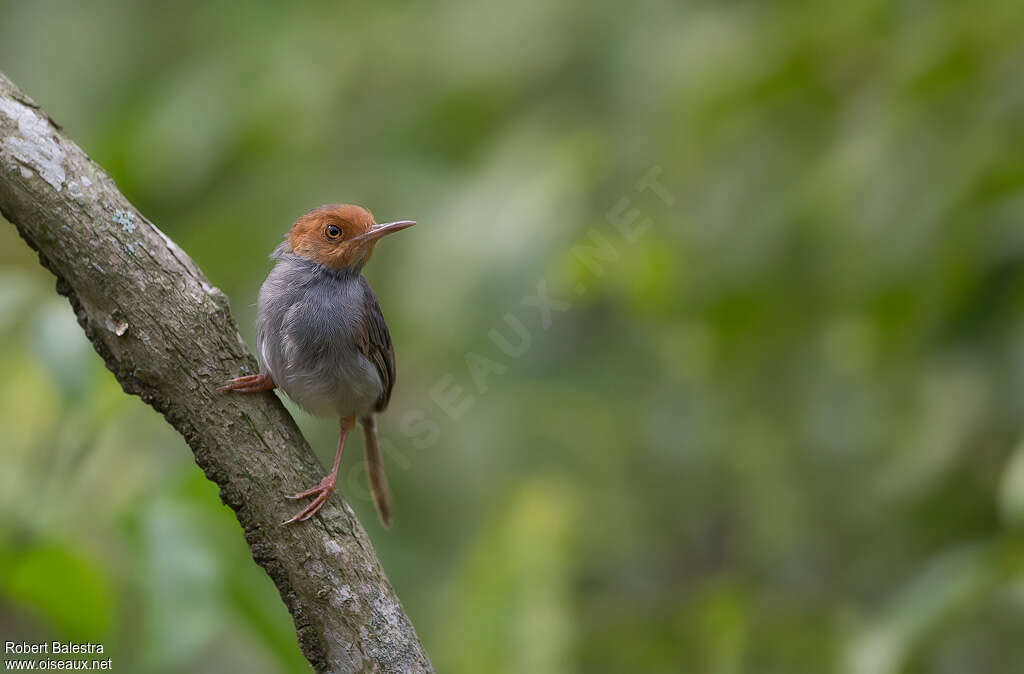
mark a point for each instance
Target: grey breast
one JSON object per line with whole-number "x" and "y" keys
{"x": 308, "y": 321}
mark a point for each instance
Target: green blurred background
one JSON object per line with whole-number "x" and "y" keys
{"x": 777, "y": 428}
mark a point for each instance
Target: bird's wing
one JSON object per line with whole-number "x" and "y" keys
{"x": 374, "y": 341}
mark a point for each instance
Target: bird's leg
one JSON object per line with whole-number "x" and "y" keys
{"x": 323, "y": 491}
{"x": 253, "y": 383}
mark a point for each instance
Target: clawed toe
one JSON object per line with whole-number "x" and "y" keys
{"x": 253, "y": 383}
{"x": 312, "y": 509}
{"x": 309, "y": 492}
{"x": 322, "y": 492}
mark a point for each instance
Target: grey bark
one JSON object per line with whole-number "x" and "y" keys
{"x": 168, "y": 337}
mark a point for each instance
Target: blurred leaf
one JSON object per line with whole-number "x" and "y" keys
{"x": 1011, "y": 488}
{"x": 947, "y": 586}
{"x": 69, "y": 590}
{"x": 509, "y": 610}
{"x": 183, "y": 585}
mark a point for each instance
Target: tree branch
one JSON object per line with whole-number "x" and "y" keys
{"x": 168, "y": 337}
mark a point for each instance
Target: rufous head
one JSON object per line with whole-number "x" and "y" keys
{"x": 340, "y": 236}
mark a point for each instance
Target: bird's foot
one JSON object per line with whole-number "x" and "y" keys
{"x": 321, "y": 492}
{"x": 253, "y": 383}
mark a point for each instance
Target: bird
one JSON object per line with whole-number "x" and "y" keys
{"x": 322, "y": 339}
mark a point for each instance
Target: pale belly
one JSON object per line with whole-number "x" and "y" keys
{"x": 309, "y": 327}
{"x": 341, "y": 387}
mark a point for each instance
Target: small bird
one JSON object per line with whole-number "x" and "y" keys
{"x": 322, "y": 338}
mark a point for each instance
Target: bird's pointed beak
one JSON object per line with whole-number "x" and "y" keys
{"x": 383, "y": 229}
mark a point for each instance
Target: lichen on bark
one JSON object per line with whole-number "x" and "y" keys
{"x": 168, "y": 336}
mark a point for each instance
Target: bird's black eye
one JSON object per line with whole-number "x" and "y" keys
{"x": 332, "y": 231}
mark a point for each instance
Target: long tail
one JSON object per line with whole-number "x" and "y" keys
{"x": 375, "y": 471}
